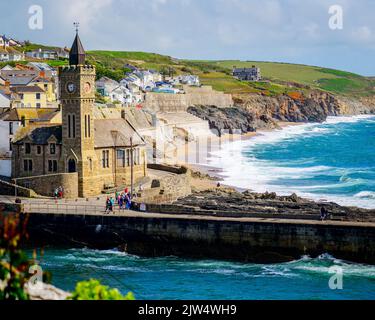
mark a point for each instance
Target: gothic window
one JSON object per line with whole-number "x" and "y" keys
{"x": 39, "y": 150}
{"x": 52, "y": 148}
{"x": 85, "y": 126}
{"x": 69, "y": 126}
{"x": 89, "y": 125}
{"x": 121, "y": 158}
{"x": 127, "y": 157}
{"x": 27, "y": 165}
{"x": 73, "y": 126}
{"x": 10, "y": 127}
{"x": 27, "y": 148}
{"x": 105, "y": 158}
{"x": 72, "y": 166}
{"x": 52, "y": 165}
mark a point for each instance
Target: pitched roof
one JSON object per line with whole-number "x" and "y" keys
{"x": 27, "y": 89}
{"x": 77, "y": 55}
{"x": 39, "y": 135}
{"x": 34, "y": 114}
{"x": 115, "y": 132}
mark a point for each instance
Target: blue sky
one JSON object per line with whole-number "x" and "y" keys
{"x": 294, "y": 31}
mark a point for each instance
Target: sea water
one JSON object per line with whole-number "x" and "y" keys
{"x": 331, "y": 161}
{"x": 175, "y": 278}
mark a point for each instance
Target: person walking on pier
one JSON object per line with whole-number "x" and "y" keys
{"x": 323, "y": 213}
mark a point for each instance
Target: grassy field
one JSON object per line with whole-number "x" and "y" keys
{"x": 331, "y": 80}
{"x": 279, "y": 77}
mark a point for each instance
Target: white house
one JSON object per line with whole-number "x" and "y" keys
{"x": 8, "y": 127}
{"x": 5, "y": 100}
{"x": 106, "y": 85}
{"x": 43, "y": 54}
{"x": 189, "y": 79}
{"x": 121, "y": 94}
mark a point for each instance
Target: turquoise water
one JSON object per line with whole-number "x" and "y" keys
{"x": 333, "y": 161}
{"x": 175, "y": 278}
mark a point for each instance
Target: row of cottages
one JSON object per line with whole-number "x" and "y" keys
{"x": 14, "y": 121}
{"x": 27, "y": 87}
{"x": 118, "y": 92}
{"x": 48, "y": 54}
{"x": 84, "y": 155}
{"x": 8, "y": 51}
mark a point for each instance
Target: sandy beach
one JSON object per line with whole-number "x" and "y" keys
{"x": 197, "y": 154}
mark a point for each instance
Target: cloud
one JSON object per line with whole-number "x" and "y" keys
{"x": 282, "y": 30}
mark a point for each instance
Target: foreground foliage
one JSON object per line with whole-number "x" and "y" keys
{"x": 94, "y": 290}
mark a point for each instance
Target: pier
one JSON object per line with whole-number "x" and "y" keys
{"x": 249, "y": 239}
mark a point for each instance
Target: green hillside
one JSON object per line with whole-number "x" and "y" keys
{"x": 278, "y": 77}
{"x": 322, "y": 78}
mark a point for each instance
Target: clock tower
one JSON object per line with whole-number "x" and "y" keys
{"x": 77, "y": 97}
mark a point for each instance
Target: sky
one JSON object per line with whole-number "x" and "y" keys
{"x": 295, "y": 31}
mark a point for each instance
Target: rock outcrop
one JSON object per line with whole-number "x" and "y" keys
{"x": 232, "y": 120}
{"x": 255, "y": 111}
{"x": 228, "y": 202}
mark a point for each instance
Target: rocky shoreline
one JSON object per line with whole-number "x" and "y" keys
{"x": 223, "y": 201}
{"x": 253, "y": 111}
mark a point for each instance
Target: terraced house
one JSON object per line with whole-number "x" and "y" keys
{"x": 84, "y": 155}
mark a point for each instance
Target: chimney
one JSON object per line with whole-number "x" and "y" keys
{"x": 7, "y": 87}
{"x": 42, "y": 74}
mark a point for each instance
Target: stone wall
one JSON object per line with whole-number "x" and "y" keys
{"x": 8, "y": 188}
{"x": 45, "y": 185}
{"x": 168, "y": 188}
{"x": 251, "y": 240}
{"x": 164, "y": 102}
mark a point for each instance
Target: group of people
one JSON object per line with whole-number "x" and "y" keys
{"x": 123, "y": 200}
{"x": 59, "y": 193}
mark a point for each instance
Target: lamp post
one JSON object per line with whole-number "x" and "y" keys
{"x": 114, "y": 134}
{"x": 131, "y": 168}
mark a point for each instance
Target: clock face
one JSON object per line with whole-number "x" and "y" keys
{"x": 71, "y": 87}
{"x": 87, "y": 87}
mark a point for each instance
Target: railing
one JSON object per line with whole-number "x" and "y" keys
{"x": 65, "y": 208}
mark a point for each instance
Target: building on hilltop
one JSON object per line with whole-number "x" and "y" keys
{"x": 83, "y": 155}
{"x": 247, "y": 74}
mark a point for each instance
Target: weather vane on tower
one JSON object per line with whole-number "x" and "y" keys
{"x": 76, "y": 25}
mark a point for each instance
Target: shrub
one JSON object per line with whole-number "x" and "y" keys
{"x": 94, "y": 290}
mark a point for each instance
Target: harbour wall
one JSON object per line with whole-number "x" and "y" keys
{"x": 205, "y": 95}
{"x": 248, "y": 239}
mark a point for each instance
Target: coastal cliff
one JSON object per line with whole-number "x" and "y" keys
{"x": 255, "y": 111}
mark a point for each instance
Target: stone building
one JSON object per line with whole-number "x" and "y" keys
{"x": 83, "y": 155}
{"x": 247, "y": 74}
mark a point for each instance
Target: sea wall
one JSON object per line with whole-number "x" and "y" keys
{"x": 251, "y": 240}
{"x": 45, "y": 185}
{"x": 164, "y": 102}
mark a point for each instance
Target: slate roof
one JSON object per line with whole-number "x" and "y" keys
{"x": 33, "y": 114}
{"x": 107, "y": 129}
{"x": 77, "y": 55}
{"x": 27, "y": 89}
{"x": 39, "y": 135}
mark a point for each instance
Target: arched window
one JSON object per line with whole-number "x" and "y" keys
{"x": 72, "y": 166}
